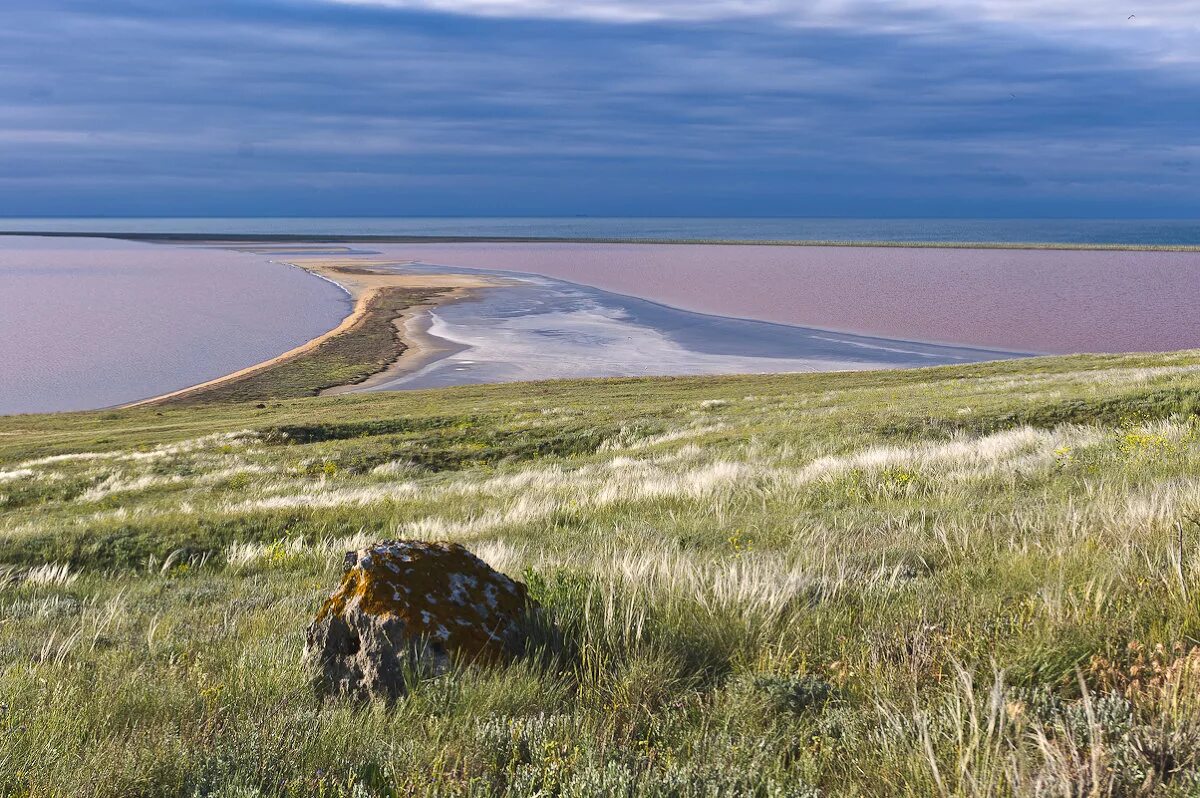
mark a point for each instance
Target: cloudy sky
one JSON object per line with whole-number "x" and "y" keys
{"x": 601, "y": 107}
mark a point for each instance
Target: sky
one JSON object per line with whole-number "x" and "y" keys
{"x": 1006, "y": 108}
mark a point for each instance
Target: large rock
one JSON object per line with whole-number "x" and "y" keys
{"x": 406, "y": 609}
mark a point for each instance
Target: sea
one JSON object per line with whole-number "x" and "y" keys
{"x": 1134, "y": 232}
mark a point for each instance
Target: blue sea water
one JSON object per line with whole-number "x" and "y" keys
{"x": 1142, "y": 232}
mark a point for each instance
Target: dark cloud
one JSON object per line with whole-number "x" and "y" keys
{"x": 266, "y": 108}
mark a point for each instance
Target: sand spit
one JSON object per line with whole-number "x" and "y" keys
{"x": 362, "y": 277}
{"x": 359, "y": 279}
{"x": 423, "y": 347}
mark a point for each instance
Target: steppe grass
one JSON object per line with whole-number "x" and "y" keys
{"x": 969, "y": 581}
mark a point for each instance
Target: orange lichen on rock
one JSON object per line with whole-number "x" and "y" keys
{"x": 415, "y": 605}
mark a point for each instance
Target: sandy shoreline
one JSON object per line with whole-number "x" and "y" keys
{"x": 423, "y": 347}
{"x": 358, "y": 279}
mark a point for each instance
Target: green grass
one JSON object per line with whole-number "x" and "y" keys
{"x": 348, "y": 358}
{"x": 903, "y": 583}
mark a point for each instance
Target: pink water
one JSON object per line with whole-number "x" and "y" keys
{"x": 1025, "y": 300}
{"x": 92, "y": 323}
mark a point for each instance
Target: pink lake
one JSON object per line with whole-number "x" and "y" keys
{"x": 88, "y": 323}
{"x": 1051, "y": 301}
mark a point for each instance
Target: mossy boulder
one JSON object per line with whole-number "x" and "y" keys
{"x": 408, "y": 609}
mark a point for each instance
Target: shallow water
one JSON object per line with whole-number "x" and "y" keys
{"x": 548, "y": 328}
{"x": 87, "y": 323}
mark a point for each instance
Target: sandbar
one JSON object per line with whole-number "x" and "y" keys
{"x": 363, "y": 283}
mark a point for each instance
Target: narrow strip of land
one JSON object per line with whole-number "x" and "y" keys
{"x": 368, "y": 341}
{"x": 248, "y": 238}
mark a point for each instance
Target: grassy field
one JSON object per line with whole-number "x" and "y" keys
{"x": 968, "y": 581}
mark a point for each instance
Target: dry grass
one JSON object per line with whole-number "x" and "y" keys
{"x": 834, "y": 585}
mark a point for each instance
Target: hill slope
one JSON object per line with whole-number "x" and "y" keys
{"x": 944, "y": 581}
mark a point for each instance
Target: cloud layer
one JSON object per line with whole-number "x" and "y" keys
{"x": 862, "y": 13}
{"x": 523, "y": 106}
{"x": 1167, "y": 29}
